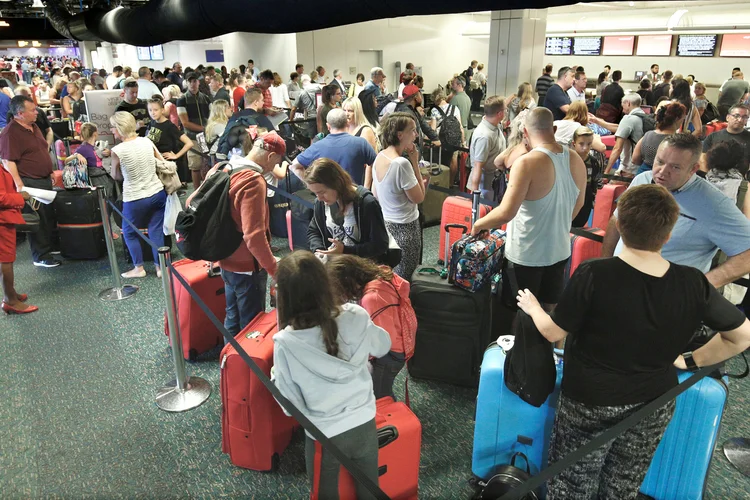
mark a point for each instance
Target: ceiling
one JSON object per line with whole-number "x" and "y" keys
{"x": 35, "y": 9}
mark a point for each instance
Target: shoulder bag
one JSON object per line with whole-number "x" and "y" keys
{"x": 167, "y": 172}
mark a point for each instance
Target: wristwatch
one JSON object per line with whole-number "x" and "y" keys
{"x": 689, "y": 361}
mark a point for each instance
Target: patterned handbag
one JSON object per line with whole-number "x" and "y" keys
{"x": 75, "y": 174}
{"x": 475, "y": 259}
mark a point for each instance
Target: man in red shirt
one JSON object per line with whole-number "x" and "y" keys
{"x": 246, "y": 271}
{"x": 25, "y": 154}
{"x": 264, "y": 84}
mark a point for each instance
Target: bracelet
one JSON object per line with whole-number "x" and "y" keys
{"x": 689, "y": 361}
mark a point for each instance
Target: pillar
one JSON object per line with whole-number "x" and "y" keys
{"x": 275, "y": 52}
{"x": 517, "y": 39}
{"x": 86, "y": 48}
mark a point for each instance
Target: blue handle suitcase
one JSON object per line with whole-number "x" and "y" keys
{"x": 680, "y": 465}
{"x": 505, "y": 424}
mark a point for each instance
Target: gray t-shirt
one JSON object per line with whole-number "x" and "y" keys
{"x": 732, "y": 91}
{"x": 463, "y": 103}
{"x": 486, "y": 143}
{"x": 631, "y": 127}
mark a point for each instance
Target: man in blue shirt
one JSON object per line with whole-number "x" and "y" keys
{"x": 4, "y": 109}
{"x": 377, "y": 76}
{"x": 557, "y": 99}
{"x": 354, "y": 154}
{"x": 708, "y": 220}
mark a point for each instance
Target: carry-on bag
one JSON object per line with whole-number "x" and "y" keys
{"x": 254, "y": 429}
{"x": 440, "y": 176}
{"x": 399, "y": 443}
{"x": 298, "y": 220}
{"x": 474, "y": 260}
{"x": 681, "y": 463}
{"x": 278, "y": 205}
{"x": 506, "y": 424}
{"x": 198, "y": 333}
{"x": 79, "y": 222}
{"x": 583, "y": 248}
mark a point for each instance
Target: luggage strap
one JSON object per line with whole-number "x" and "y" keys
{"x": 327, "y": 444}
{"x": 606, "y": 436}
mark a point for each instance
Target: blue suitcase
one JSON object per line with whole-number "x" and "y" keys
{"x": 505, "y": 424}
{"x": 680, "y": 465}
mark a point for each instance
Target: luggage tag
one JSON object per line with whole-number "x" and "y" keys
{"x": 506, "y": 342}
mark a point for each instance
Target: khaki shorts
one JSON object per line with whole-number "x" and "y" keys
{"x": 195, "y": 161}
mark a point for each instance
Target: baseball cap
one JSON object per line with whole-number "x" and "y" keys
{"x": 410, "y": 90}
{"x": 192, "y": 76}
{"x": 272, "y": 142}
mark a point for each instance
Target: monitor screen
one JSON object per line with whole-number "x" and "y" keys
{"x": 696, "y": 45}
{"x": 157, "y": 53}
{"x": 735, "y": 45}
{"x": 618, "y": 45}
{"x": 143, "y": 54}
{"x": 587, "y": 46}
{"x": 654, "y": 45}
{"x": 639, "y": 75}
{"x": 558, "y": 46}
{"x": 318, "y": 99}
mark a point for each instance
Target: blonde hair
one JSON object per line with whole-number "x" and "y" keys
{"x": 578, "y": 112}
{"x": 218, "y": 113}
{"x": 125, "y": 124}
{"x": 314, "y": 76}
{"x": 356, "y": 105}
{"x": 171, "y": 91}
{"x": 88, "y": 130}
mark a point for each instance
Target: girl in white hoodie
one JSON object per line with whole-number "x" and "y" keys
{"x": 320, "y": 366}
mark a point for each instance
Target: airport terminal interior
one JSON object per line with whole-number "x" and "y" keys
{"x": 80, "y": 416}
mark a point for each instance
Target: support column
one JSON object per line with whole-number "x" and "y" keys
{"x": 86, "y": 48}
{"x": 517, "y": 40}
{"x": 275, "y": 52}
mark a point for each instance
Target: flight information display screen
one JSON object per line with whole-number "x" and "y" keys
{"x": 587, "y": 46}
{"x": 654, "y": 45}
{"x": 735, "y": 45}
{"x": 696, "y": 45}
{"x": 618, "y": 45}
{"x": 558, "y": 46}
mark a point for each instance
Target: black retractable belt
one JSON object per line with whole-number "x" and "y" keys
{"x": 578, "y": 231}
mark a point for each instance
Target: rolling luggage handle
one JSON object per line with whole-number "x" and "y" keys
{"x": 446, "y": 261}
{"x": 435, "y": 169}
{"x": 213, "y": 270}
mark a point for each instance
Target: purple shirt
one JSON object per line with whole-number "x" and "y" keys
{"x": 87, "y": 151}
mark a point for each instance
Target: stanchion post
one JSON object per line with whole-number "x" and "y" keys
{"x": 118, "y": 290}
{"x": 183, "y": 393}
{"x": 475, "y": 207}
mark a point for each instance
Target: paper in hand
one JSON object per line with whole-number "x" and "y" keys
{"x": 45, "y": 196}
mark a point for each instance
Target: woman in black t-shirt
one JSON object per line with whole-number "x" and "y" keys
{"x": 620, "y": 358}
{"x": 167, "y": 138}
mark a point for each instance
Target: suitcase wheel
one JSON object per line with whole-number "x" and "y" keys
{"x": 192, "y": 355}
{"x": 275, "y": 460}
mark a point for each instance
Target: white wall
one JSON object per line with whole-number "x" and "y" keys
{"x": 432, "y": 42}
{"x": 189, "y": 53}
{"x": 275, "y": 52}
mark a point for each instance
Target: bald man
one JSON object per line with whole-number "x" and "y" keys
{"x": 545, "y": 192}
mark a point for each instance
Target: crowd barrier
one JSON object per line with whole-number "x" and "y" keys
{"x": 186, "y": 392}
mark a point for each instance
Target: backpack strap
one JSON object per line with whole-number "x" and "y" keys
{"x": 440, "y": 110}
{"x": 359, "y": 132}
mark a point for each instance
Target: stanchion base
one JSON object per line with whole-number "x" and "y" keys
{"x": 737, "y": 451}
{"x": 112, "y": 294}
{"x": 168, "y": 398}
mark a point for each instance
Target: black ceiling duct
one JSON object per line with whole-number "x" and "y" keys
{"x": 161, "y": 21}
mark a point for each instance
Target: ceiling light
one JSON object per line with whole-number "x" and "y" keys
{"x": 36, "y": 44}
{"x": 4, "y": 24}
{"x": 674, "y": 20}
{"x": 632, "y": 4}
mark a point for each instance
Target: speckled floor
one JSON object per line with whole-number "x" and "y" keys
{"x": 78, "y": 418}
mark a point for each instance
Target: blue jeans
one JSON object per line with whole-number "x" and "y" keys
{"x": 246, "y": 298}
{"x": 645, "y": 167}
{"x": 148, "y": 213}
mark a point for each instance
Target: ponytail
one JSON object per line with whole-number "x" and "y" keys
{"x": 330, "y": 330}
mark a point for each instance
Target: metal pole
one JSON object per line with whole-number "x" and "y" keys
{"x": 184, "y": 393}
{"x": 118, "y": 290}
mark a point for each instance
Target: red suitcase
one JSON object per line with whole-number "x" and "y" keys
{"x": 198, "y": 334}
{"x": 605, "y": 203}
{"x": 609, "y": 141}
{"x": 400, "y": 441}
{"x": 583, "y": 249}
{"x": 254, "y": 429}
{"x": 456, "y": 210}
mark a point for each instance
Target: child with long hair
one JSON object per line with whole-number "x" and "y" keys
{"x": 320, "y": 366}
{"x": 385, "y": 296}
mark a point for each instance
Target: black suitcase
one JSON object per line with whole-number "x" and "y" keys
{"x": 299, "y": 220}
{"x": 279, "y": 204}
{"x": 454, "y": 328}
{"x": 79, "y": 222}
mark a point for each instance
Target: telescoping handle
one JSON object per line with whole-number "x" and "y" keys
{"x": 448, "y": 227}
{"x": 475, "y": 195}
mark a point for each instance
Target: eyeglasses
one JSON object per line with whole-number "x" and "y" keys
{"x": 738, "y": 116}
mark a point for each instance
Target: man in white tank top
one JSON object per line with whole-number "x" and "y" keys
{"x": 545, "y": 191}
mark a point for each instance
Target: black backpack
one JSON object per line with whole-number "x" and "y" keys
{"x": 384, "y": 100}
{"x": 649, "y": 122}
{"x": 205, "y": 230}
{"x": 450, "y": 128}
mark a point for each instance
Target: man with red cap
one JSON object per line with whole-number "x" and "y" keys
{"x": 412, "y": 104}
{"x": 246, "y": 271}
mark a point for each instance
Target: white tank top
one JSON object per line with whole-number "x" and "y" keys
{"x": 539, "y": 234}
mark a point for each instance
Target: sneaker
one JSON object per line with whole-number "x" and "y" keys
{"x": 47, "y": 263}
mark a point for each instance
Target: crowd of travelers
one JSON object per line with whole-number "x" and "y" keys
{"x": 360, "y": 149}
